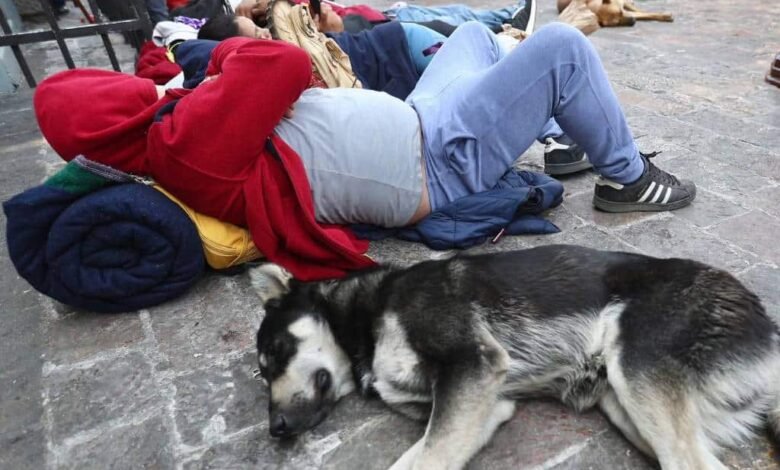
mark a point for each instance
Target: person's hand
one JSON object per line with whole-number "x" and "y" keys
{"x": 289, "y": 113}
{"x": 262, "y": 33}
{"x": 253, "y": 9}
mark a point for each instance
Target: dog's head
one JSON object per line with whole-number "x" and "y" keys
{"x": 306, "y": 370}
{"x": 612, "y": 13}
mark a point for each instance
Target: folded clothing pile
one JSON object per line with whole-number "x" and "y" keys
{"x": 91, "y": 243}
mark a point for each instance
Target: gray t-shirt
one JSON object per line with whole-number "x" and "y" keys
{"x": 362, "y": 153}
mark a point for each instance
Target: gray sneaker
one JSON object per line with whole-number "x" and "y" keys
{"x": 562, "y": 156}
{"x": 655, "y": 191}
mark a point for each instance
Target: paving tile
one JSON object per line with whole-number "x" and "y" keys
{"x": 19, "y": 400}
{"x": 538, "y": 434}
{"x": 401, "y": 252}
{"x": 764, "y": 280}
{"x": 77, "y": 335}
{"x": 673, "y": 238}
{"x": 254, "y": 450}
{"x": 21, "y": 411}
{"x": 21, "y": 430}
{"x": 214, "y": 318}
{"x": 18, "y": 122}
{"x": 607, "y": 450}
{"x": 23, "y": 448}
{"x": 14, "y": 102}
{"x": 755, "y": 232}
{"x": 22, "y": 145}
{"x": 709, "y": 209}
{"x": 146, "y": 445}
{"x": 115, "y": 389}
{"x": 767, "y": 200}
{"x": 577, "y": 184}
{"x": 219, "y": 401}
{"x": 378, "y": 443}
{"x": 729, "y": 180}
{"x": 724, "y": 123}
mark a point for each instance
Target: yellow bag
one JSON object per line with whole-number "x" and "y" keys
{"x": 293, "y": 24}
{"x": 225, "y": 245}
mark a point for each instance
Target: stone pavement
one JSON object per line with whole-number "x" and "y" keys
{"x": 171, "y": 387}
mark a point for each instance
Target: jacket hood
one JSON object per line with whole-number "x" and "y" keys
{"x": 100, "y": 114}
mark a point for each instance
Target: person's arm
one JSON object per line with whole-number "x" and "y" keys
{"x": 253, "y": 9}
{"x": 256, "y": 82}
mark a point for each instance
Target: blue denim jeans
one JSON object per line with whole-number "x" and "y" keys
{"x": 452, "y": 14}
{"x": 419, "y": 39}
{"x": 480, "y": 112}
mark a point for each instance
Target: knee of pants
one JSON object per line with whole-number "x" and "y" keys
{"x": 562, "y": 35}
{"x": 477, "y": 36}
{"x": 474, "y": 27}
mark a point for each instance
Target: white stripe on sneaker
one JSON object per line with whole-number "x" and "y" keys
{"x": 658, "y": 194}
{"x": 552, "y": 144}
{"x": 647, "y": 192}
{"x": 668, "y": 195}
{"x": 531, "y": 17}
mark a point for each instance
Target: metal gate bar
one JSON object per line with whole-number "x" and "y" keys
{"x": 16, "y": 50}
{"x": 140, "y": 23}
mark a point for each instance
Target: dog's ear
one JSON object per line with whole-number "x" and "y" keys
{"x": 270, "y": 281}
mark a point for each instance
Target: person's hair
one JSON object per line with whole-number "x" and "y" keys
{"x": 218, "y": 28}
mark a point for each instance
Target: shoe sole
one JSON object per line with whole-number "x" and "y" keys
{"x": 619, "y": 207}
{"x": 559, "y": 169}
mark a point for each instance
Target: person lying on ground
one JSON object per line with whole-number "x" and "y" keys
{"x": 380, "y": 64}
{"x": 357, "y": 18}
{"x": 369, "y": 158}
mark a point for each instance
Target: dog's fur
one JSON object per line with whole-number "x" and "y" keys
{"x": 680, "y": 356}
{"x": 618, "y": 12}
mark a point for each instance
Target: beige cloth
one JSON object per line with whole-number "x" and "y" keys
{"x": 294, "y": 24}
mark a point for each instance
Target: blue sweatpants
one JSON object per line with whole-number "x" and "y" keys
{"x": 479, "y": 113}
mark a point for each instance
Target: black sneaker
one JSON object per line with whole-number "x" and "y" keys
{"x": 562, "y": 156}
{"x": 655, "y": 191}
{"x": 524, "y": 17}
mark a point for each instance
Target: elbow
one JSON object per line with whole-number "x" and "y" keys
{"x": 299, "y": 64}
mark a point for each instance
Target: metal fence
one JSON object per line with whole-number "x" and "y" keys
{"x": 135, "y": 24}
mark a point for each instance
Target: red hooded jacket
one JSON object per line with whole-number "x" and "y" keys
{"x": 211, "y": 149}
{"x": 153, "y": 63}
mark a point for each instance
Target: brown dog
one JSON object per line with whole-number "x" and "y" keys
{"x": 618, "y": 12}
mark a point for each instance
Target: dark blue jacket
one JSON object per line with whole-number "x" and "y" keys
{"x": 193, "y": 58}
{"x": 380, "y": 58}
{"x": 513, "y": 205}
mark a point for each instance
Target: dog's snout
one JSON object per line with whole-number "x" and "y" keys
{"x": 278, "y": 426}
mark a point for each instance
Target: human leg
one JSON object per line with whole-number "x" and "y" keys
{"x": 477, "y": 122}
{"x": 562, "y": 156}
{"x": 478, "y": 119}
{"x": 454, "y": 14}
{"x": 419, "y": 39}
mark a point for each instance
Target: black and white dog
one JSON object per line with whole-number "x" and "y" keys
{"x": 680, "y": 356}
